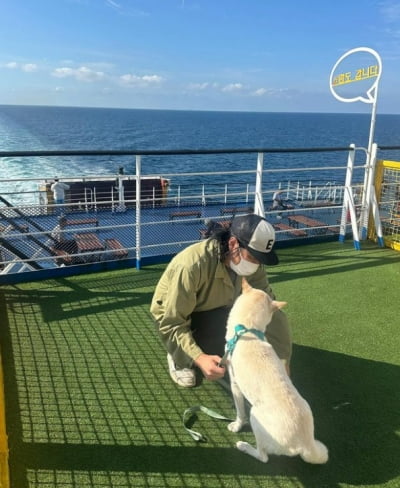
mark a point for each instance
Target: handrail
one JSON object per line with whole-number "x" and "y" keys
{"x": 171, "y": 152}
{"x": 185, "y": 191}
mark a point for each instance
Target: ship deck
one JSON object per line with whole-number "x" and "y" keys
{"x": 89, "y": 402}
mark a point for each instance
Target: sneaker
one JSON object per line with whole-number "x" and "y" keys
{"x": 185, "y": 377}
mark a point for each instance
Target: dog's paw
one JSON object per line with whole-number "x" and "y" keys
{"x": 236, "y": 426}
{"x": 248, "y": 449}
{"x": 242, "y": 446}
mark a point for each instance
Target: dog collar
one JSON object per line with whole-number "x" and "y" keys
{"x": 239, "y": 331}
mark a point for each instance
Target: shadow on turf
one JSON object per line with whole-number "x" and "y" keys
{"x": 356, "y": 407}
{"x": 102, "y": 295}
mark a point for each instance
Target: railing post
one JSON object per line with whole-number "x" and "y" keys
{"x": 138, "y": 213}
{"x": 348, "y": 203}
{"x": 369, "y": 196}
{"x": 258, "y": 197}
{"x": 95, "y": 199}
{"x": 121, "y": 197}
{"x": 373, "y": 204}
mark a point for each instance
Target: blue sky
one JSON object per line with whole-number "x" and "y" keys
{"x": 253, "y": 55}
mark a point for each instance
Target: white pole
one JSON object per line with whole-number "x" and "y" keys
{"x": 369, "y": 173}
{"x": 348, "y": 202}
{"x": 258, "y": 200}
{"x": 371, "y": 97}
{"x": 138, "y": 214}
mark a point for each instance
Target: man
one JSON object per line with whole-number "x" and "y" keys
{"x": 193, "y": 298}
{"x": 277, "y": 202}
{"x": 61, "y": 241}
{"x": 58, "y": 188}
{"x": 58, "y": 233}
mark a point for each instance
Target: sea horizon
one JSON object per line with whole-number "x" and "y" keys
{"x": 193, "y": 109}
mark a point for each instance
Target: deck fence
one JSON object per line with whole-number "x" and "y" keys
{"x": 108, "y": 222}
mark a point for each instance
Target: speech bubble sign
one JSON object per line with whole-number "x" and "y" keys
{"x": 367, "y": 75}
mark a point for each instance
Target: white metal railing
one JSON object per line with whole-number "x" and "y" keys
{"x": 145, "y": 225}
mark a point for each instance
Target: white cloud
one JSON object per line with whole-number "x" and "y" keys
{"x": 146, "y": 80}
{"x": 278, "y": 93}
{"x": 81, "y": 74}
{"x": 259, "y": 92}
{"x": 113, "y": 4}
{"x": 29, "y": 67}
{"x": 232, "y": 87}
{"x": 198, "y": 86}
{"x": 125, "y": 10}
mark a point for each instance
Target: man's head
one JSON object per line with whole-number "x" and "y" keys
{"x": 253, "y": 237}
{"x": 62, "y": 221}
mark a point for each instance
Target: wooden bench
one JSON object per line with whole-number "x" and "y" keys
{"x": 88, "y": 221}
{"x": 290, "y": 230}
{"x": 88, "y": 242}
{"x": 21, "y": 228}
{"x": 186, "y": 213}
{"x": 62, "y": 256}
{"x": 295, "y": 220}
{"x": 118, "y": 250}
{"x": 235, "y": 210}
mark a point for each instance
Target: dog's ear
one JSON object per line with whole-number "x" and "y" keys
{"x": 278, "y": 305}
{"x": 245, "y": 286}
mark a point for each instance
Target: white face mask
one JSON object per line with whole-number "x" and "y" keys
{"x": 243, "y": 268}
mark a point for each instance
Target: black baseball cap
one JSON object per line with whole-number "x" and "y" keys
{"x": 256, "y": 235}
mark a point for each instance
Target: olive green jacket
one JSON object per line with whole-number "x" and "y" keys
{"x": 195, "y": 281}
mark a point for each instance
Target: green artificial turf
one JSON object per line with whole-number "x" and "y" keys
{"x": 90, "y": 403}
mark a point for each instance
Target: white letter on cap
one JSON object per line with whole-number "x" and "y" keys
{"x": 270, "y": 243}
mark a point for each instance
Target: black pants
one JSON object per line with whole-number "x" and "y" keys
{"x": 209, "y": 329}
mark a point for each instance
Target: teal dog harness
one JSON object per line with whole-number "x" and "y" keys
{"x": 239, "y": 331}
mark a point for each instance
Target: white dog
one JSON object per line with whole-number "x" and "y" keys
{"x": 281, "y": 419}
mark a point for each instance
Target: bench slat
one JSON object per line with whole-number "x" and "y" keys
{"x": 291, "y": 230}
{"x": 62, "y": 256}
{"x": 187, "y": 213}
{"x": 235, "y": 210}
{"x": 83, "y": 221}
{"x": 116, "y": 247}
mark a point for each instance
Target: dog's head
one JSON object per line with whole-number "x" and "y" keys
{"x": 253, "y": 309}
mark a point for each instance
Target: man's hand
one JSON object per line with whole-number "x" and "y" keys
{"x": 209, "y": 366}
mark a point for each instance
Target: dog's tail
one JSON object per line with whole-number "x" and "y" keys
{"x": 316, "y": 454}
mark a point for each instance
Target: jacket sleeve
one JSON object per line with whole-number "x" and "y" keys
{"x": 172, "y": 306}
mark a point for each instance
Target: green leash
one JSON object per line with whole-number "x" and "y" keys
{"x": 188, "y": 414}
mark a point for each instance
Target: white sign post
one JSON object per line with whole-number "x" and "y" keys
{"x": 338, "y": 79}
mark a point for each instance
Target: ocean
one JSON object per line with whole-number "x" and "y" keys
{"x": 63, "y": 128}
